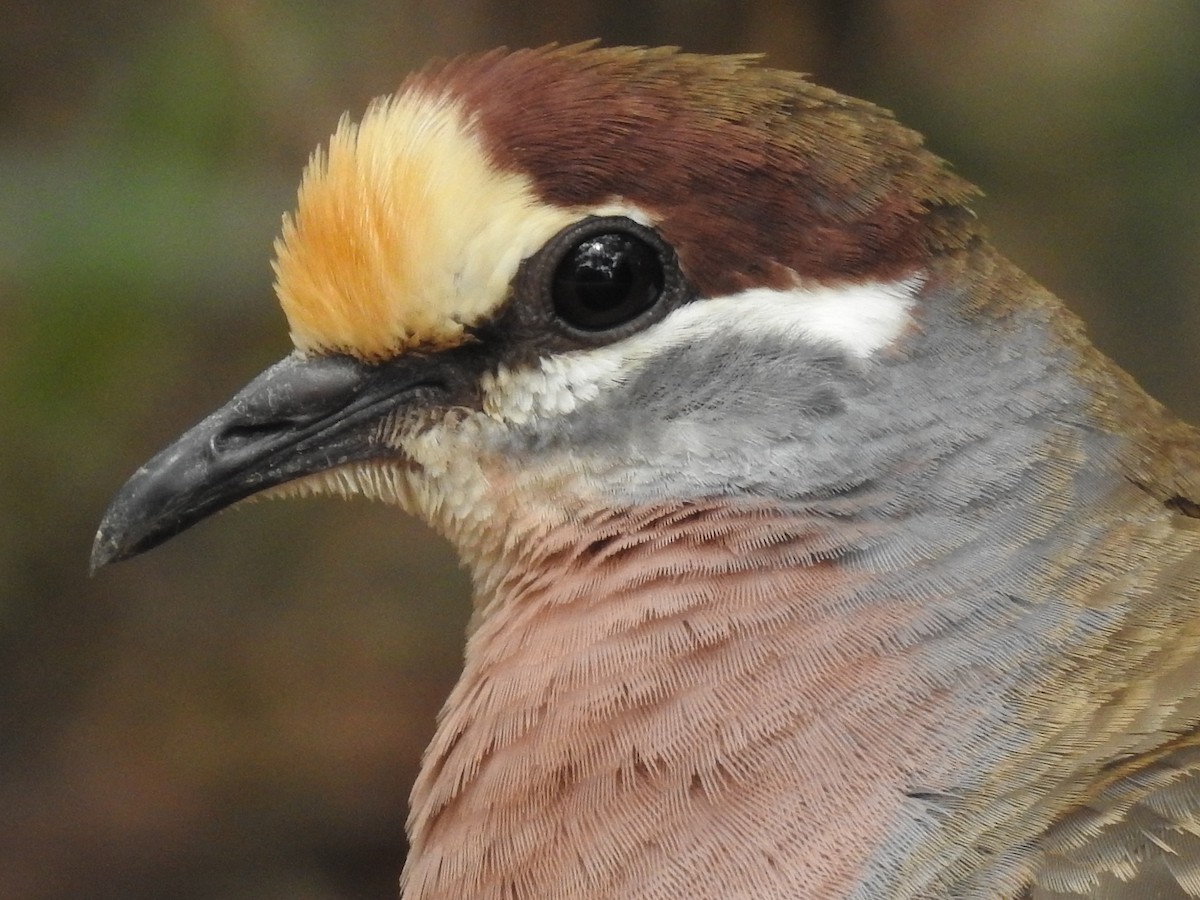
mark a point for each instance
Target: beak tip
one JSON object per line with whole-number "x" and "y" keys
{"x": 105, "y": 549}
{"x": 119, "y": 535}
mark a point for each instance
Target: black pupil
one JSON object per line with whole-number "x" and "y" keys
{"x": 606, "y": 280}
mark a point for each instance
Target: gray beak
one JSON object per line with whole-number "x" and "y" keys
{"x": 300, "y": 416}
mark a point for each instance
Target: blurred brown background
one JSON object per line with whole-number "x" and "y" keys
{"x": 240, "y": 714}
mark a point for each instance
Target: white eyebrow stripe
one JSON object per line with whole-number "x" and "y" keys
{"x": 858, "y": 319}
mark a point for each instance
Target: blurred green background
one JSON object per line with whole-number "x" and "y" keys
{"x": 240, "y": 713}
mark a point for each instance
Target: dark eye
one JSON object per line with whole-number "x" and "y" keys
{"x": 605, "y": 280}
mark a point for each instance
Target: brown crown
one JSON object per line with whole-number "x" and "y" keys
{"x": 755, "y": 175}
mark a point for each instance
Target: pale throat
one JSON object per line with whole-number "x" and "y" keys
{"x": 651, "y": 686}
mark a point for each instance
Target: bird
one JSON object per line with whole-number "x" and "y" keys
{"x": 815, "y": 551}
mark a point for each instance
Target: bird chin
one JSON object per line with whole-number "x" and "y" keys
{"x": 389, "y": 481}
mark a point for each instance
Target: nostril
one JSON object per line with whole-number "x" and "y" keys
{"x": 233, "y": 438}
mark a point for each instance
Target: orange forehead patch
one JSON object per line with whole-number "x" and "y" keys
{"x": 405, "y": 233}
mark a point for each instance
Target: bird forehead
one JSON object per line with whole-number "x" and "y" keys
{"x": 405, "y": 234}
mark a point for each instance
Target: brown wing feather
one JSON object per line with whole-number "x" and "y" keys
{"x": 1135, "y": 835}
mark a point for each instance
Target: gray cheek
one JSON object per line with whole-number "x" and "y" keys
{"x": 722, "y": 399}
{"x": 762, "y": 417}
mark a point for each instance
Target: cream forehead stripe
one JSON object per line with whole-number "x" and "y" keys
{"x": 404, "y": 232}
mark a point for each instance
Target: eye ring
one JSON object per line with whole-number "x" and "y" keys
{"x": 604, "y": 277}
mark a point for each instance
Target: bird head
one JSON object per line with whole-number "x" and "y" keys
{"x": 536, "y": 289}
{"x": 821, "y": 512}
